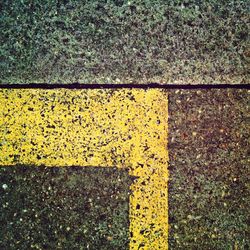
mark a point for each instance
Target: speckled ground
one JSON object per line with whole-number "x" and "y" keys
{"x": 209, "y": 189}
{"x": 126, "y": 128}
{"x": 121, "y": 41}
{"x": 64, "y": 208}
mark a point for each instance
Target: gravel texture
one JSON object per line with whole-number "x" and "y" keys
{"x": 126, "y": 128}
{"x": 209, "y": 192}
{"x": 118, "y": 41}
{"x": 64, "y": 208}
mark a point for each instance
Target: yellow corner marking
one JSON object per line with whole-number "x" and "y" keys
{"x": 126, "y": 128}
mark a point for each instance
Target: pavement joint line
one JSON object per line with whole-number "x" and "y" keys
{"x": 126, "y": 128}
{"x": 123, "y": 86}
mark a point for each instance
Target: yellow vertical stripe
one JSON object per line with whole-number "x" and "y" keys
{"x": 126, "y": 128}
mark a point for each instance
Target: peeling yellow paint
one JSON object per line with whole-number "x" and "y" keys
{"x": 126, "y": 128}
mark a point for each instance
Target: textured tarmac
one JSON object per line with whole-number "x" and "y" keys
{"x": 64, "y": 208}
{"x": 209, "y": 192}
{"x": 180, "y": 42}
{"x": 125, "y": 128}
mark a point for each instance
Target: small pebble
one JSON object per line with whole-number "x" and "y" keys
{"x": 109, "y": 238}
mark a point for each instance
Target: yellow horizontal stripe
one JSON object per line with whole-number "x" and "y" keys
{"x": 126, "y": 128}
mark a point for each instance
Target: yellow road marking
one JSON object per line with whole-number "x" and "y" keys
{"x": 126, "y": 128}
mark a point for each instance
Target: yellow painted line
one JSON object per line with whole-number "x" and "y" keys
{"x": 126, "y": 128}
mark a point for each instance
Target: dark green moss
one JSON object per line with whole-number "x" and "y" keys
{"x": 209, "y": 195}
{"x": 119, "y": 41}
{"x": 64, "y": 208}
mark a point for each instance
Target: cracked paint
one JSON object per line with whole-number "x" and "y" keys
{"x": 126, "y": 128}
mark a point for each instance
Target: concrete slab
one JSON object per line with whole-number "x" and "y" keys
{"x": 180, "y": 42}
{"x": 64, "y": 208}
{"x": 209, "y": 169}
